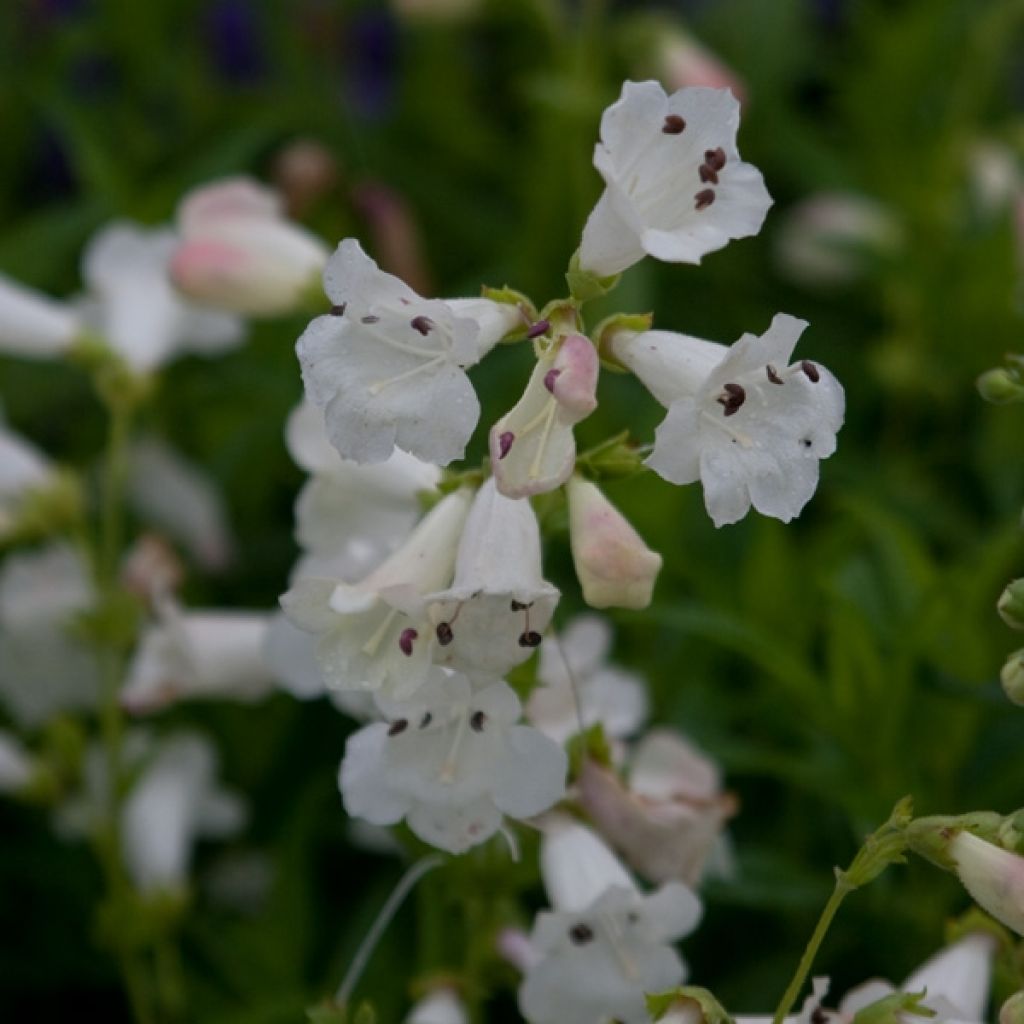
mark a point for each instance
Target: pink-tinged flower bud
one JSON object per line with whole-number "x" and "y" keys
{"x": 573, "y": 378}
{"x": 993, "y": 876}
{"x": 239, "y": 253}
{"x": 684, "y": 61}
{"x": 614, "y": 565}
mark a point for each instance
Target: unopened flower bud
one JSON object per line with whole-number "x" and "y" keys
{"x": 1012, "y": 677}
{"x": 1012, "y": 1011}
{"x": 1011, "y": 604}
{"x": 1001, "y": 386}
{"x": 614, "y": 565}
{"x": 573, "y": 378}
{"x": 994, "y": 877}
{"x": 239, "y": 253}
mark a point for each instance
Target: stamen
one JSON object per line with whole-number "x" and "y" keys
{"x": 531, "y": 638}
{"x": 371, "y": 319}
{"x": 477, "y": 721}
{"x": 707, "y": 174}
{"x": 444, "y": 634}
{"x": 811, "y": 370}
{"x": 715, "y": 158}
{"x": 376, "y": 389}
{"x": 339, "y": 310}
{"x": 397, "y": 726}
{"x": 423, "y": 324}
{"x": 371, "y": 645}
{"x": 736, "y": 435}
{"x": 703, "y": 199}
{"x": 674, "y": 125}
{"x": 549, "y": 379}
{"x": 406, "y": 639}
{"x": 581, "y": 934}
{"x": 519, "y": 606}
{"x": 539, "y": 328}
{"x": 535, "y": 465}
{"x": 773, "y": 374}
{"x": 732, "y": 398}
{"x": 426, "y": 719}
{"x": 448, "y": 768}
{"x": 505, "y": 443}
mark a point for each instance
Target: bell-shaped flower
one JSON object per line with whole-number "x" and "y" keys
{"x": 17, "y": 765}
{"x": 349, "y": 514}
{"x": 616, "y": 569}
{"x": 741, "y": 420}
{"x": 45, "y": 669}
{"x": 375, "y": 634}
{"x": 239, "y": 251}
{"x": 498, "y": 606}
{"x": 579, "y": 688}
{"x": 198, "y": 654}
{"x": 387, "y": 367}
{"x": 993, "y": 876}
{"x": 33, "y": 324}
{"x": 451, "y": 762}
{"x": 668, "y": 819}
{"x": 179, "y": 498}
{"x": 440, "y": 1006}
{"x": 605, "y": 944}
{"x": 532, "y": 446}
{"x": 133, "y": 305}
{"x": 676, "y": 188}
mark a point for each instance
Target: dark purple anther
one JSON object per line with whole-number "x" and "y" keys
{"x": 733, "y": 398}
{"x": 426, "y": 719}
{"x": 539, "y": 328}
{"x": 715, "y": 158}
{"x": 444, "y": 634}
{"x": 674, "y": 125}
{"x": 703, "y": 199}
{"x": 772, "y": 374}
{"x": 531, "y": 638}
{"x": 811, "y": 370}
{"x": 708, "y": 174}
{"x": 371, "y": 319}
{"x": 397, "y": 726}
{"x": 549, "y": 379}
{"x": 477, "y": 721}
{"x": 581, "y": 933}
{"x": 338, "y": 310}
{"x": 519, "y": 606}
{"x": 406, "y": 639}
{"x": 505, "y": 443}
{"x": 423, "y": 324}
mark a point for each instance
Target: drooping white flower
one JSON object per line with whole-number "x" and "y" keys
{"x": 750, "y": 427}
{"x": 179, "y": 498}
{"x": 676, "y": 188}
{"x": 616, "y": 569}
{"x": 239, "y": 251}
{"x": 33, "y": 324}
{"x": 993, "y": 876}
{"x": 452, "y": 762}
{"x": 350, "y": 514}
{"x": 198, "y": 654}
{"x": 532, "y": 446}
{"x": 387, "y": 366}
{"x": 16, "y": 763}
{"x": 668, "y": 819}
{"x": 132, "y": 304}
{"x": 494, "y": 613}
{"x": 44, "y": 668}
{"x": 605, "y": 944}
{"x": 576, "y": 662}
{"x": 441, "y": 1006}
{"x": 375, "y": 634}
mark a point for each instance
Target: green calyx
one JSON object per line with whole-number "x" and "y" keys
{"x": 683, "y": 998}
{"x": 611, "y": 327}
{"x": 584, "y": 285}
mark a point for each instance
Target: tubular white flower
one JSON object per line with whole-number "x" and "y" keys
{"x": 498, "y": 606}
{"x": 239, "y": 252}
{"x": 198, "y": 654}
{"x": 754, "y": 430}
{"x": 451, "y": 762}
{"x": 16, "y": 763}
{"x": 44, "y": 669}
{"x": 375, "y": 634}
{"x": 676, "y": 187}
{"x": 532, "y": 446}
{"x": 607, "y": 694}
{"x": 442, "y": 1006}
{"x": 616, "y": 569}
{"x": 606, "y": 944}
{"x": 133, "y": 305}
{"x": 993, "y": 876}
{"x": 354, "y": 515}
{"x": 33, "y": 324}
{"x": 387, "y": 366}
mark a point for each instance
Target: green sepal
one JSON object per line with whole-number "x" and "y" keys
{"x": 931, "y": 837}
{"x": 711, "y": 1010}
{"x": 45, "y": 511}
{"x": 886, "y": 845}
{"x": 113, "y": 623}
{"x": 592, "y": 745}
{"x": 1002, "y": 385}
{"x": 888, "y": 1009}
{"x": 1012, "y": 677}
{"x": 132, "y": 920}
{"x": 584, "y": 285}
{"x": 510, "y": 297}
{"x": 614, "y": 459}
{"x": 563, "y": 315}
{"x": 976, "y": 920}
{"x": 1011, "y": 604}
{"x": 635, "y": 323}
{"x": 118, "y": 384}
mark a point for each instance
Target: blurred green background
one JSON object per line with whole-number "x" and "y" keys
{"x": 832, "y": 665}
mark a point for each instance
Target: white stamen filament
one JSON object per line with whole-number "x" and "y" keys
{"x": 371, "y": 645}
{"x": 549, "y": 420}
{"x": 607, "y": 923}
{"x": 727, "y": 428}
{"x": 448, "y": 768}
{"x": 413, "y": 350}
{"x": 379, "y": 386}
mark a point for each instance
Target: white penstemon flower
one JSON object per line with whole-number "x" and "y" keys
{"x": 375, "y": 634}
{"x": 387, "y": 366}
{"x": 492, "y": 616}
{"x": 741, "y": 420}
{"x": 451, "y": 762}
{"x": 676, "y": 188}
{"x": 605, "y": 944}
{"x": 34, "y": 325}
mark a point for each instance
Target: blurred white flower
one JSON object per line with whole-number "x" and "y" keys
{"x": 605, "y": 944}
{"x": 387, "y": 366}
{"x": 239, "y": 252}
{"x": 750, "y": 427}
{"x": 17, "y": 765}
{"x": 578, "y": 658}
{"x": 676, "y": 188}
{"x": 33, "y": 324}
{"x": 24, "y": 470}
{"x": 451, "y": 762}
{"x": 44, "y": 668}
{"x": 532, "y": 447}
{"x": 441, "y": 1006}
{"x": 492, "y": 616}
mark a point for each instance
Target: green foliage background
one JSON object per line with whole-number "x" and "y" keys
{"x": 831, "y": 665}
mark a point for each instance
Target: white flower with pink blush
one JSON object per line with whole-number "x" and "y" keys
{"x": 676, "y": 188}
{"x": 993, "y": 876}
{"x": 239, "y": 252}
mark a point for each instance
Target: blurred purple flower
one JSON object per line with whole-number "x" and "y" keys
{"x": 372, "y": 47}
{"x": 235, "y": 38}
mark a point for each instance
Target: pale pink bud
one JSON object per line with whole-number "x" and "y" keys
{"x": 614, "y": 565}
{"x": 573, "y": 378}
{"x": 993, "y": 876}
{"x": 683, "y": 62}
{"x": 238, "y": 251}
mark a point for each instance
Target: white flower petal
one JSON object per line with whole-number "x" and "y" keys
{"x": 32, "y": 324}
{"x": 529, "y": 774}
